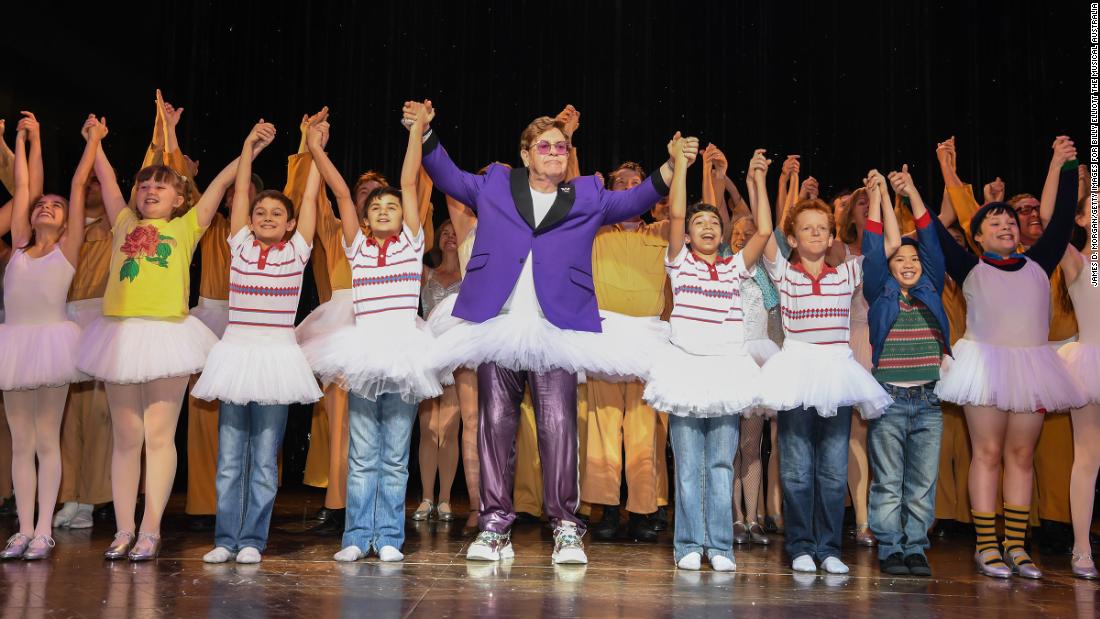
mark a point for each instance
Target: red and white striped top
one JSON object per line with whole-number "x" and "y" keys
{"x": 265, "y": 284}
{"x": 816, "y": 311}
{"x": 385, "y": 278}
{"x": 706, "y": 314}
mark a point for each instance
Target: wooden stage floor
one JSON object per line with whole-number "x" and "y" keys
{"x": 299, "y": 579}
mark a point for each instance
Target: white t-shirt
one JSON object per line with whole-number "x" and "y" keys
{"x": 523, "y": 297}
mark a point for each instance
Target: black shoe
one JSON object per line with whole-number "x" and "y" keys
{"x": 640, "y": 529}
{"x": 526, "y": 518}
{"x": 660, "y": 519}
{"x": 770, "y": 527}
{"x": 918, "y": 565}
{"x": 608, "y": 526}
{"x": 105, "y": 512}
{"x": 333, "y": 525}
{"x": 894, "y": 565}
{"x": 200, "y": 524}
{"x": 7, "y": 507}
{"x": 323, "y": 514}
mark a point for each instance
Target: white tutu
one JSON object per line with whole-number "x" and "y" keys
{"x": 1012, "y": 378}
{"x": 213, "y": 313}
{"x": 525, "y": 342}
{"x": 331, "y": 316}
{"x": 688, "y": 385}
{"x": 441, "y": 319}
{"x": 139, "y": 350}
{"x": 85, "y": 311}
{"x": 760, "y": 349}
{"x": 1083, "y": 361}
{"x": 822, "y": 376}
{"x": 259, "y": 365}
{"x": 38, "y": 355}
{"x": 370, "y": 361}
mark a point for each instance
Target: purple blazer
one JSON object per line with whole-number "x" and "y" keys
{"x": 561, "y": 245}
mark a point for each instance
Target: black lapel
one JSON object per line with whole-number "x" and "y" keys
{"x": 567, "y": 194}
{"x": 521, "y": 195}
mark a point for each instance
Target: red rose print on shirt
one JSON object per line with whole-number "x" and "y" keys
{"x": 144, "y": 242}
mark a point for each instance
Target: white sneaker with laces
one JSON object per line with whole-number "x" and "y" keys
{"x": 568, "y": 548}
{"x": 804, "y": 563}
{"x": 248, "y": 554}
{"x": 221, "y": 554}
{"x": 691, "y": 561}
{"x": 390, "y": 554}
{"x": 834, "y": 565}
{"x": 490, "y": 546}
{"x": 349, "y": 554}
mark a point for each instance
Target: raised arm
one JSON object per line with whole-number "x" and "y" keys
{"x": 21, "y": 200}
{"x": 410, "y": 169}
{"x": 714, "y": 187}
{"x": 758, "y": 174}
{"x": 238, "y": 214}
{"x": 928, "y": 241}
{"x": 113, "y": 200}
{"x": 315, "y": 141}
{"x": 571, "y": 118}
{"x": 452, "y": 181}
{"x": 891, "y": 226}
{"x": 307, "y": 213}
{"x": 34, "y": 155}
{"x": 787, "y": 173}
{"x": 7, "y": 161}
{"x": 677, "y": 196}
{"x": 623, "y": 205}
{"x": 170, "y": 117}
{"x": 94, "y": 132}
{"x": 739, "y": 208}
{"x": 1050, "y": 247}
{"x": 1050, "y": 186}
{"x": 875, "y": 257}
{"x": 462, "y": 218}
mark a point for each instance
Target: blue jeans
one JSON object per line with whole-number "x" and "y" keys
{"x": 249, "y": 437}
{"x": 704, "y": 450}
{"x": 378, "y": 471}
{"x": 813, "y": 470}
{"x": 905, "y": 461}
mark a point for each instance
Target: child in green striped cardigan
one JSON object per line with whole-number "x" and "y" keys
{"x": 903, "y": 284}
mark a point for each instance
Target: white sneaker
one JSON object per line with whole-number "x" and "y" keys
{"x": 490, "y": 546}
{"x": 65, "y": 515}
{"x": 690, "y": 561}
{"x": 221, "y": 554}
{"x": 349, "y": 554}
{"x": 248, "y": 554}
{"x": 83, "y": 517}
{"x": 390, "y": 554}
{"x": 804, "y": 563}
{"x": 722, "y": 564}
{"x": 567, "y": 545}
{"x": 834, "y": 565}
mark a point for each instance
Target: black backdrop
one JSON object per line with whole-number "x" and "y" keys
{"x": 848, "y": 86}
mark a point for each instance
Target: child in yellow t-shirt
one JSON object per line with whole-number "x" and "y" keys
{"x": 146, "y": 345}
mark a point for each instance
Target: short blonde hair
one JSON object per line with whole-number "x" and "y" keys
{"x": 539, "y": 126}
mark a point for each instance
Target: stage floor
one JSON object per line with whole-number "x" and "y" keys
{"x": 298, "y": 578}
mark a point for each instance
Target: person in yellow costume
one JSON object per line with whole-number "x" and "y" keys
{"x": 327, "y": 457}
{"x": 1054, "y": 451}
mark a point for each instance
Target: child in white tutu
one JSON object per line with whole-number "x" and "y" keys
{"x": 705, "y": 378}
{"x": 257, "y": 369}
{"x": 37, "y": 340}
{"x": 1004, "y": 365}
{"x": 146, "y": 345}
{"x": 383, "y": 360}
{"x": 814, "y": 382}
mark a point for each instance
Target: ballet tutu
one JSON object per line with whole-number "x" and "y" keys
{"x": 441, "y": 319}
{"x": 822, "y": 376}
{"x": 688, "y": 385}
{"x": 259, "y": 365}
{"x": 331, "y": 316}
{"x": 213, "y": 313}
{"x": 85, "y": 311}
{"x": 1083, "y": 361}
{"x": 373, "y": 360}
{"x": 39, "y": 355}
{"x": 1011, "y": 378}
{"x": 527, "y": 342}
{"x": 760, "y": 349}
{"x": 138, "y": 350}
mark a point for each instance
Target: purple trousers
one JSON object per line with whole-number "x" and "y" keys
{"x": 499, "y": 394}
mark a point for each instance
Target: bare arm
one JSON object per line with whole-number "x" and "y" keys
{"x": 349, "y": 220}
{"x": 20, "y": 216}
{"x": 7, "y": 160}
{"x": 756, "y": 246}
{"x": 677, "y": 196}
{"x": 1050, "y": 186}
{"x": 94, "y": 131}
{"x": 34, "y": 161}
{"x": 307, "y": 214}
{"x": 238, "y": 215}
{"x": 410, "y": 169}
{"x": 462, "y": 218}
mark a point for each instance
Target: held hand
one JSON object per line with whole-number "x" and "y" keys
{"x": 29, "y": 124}
{"x": 262, "y": 134}
{"x": 571, "y": 118}
{"x": 717, "y": 159}
{"x": 994, "y": 191}
{"x": 691, "y": 149}
{"x": 408, "y": 114}
{"x": 676, "y": 148}
{"x": 172, "y": 115}
{"x": 1064, "y": 151}
{"x": 423, "y": 114}
{"x": 94, "y": 128}
{"x": 902, "y": 182}
{"x": 873, "y": 185}
{"x": 809, "y": 189}
{"x": 192, "y": 166}
{"x": 945, "y": 154}
{"x": 310, "y": 120}
{"x": 758, "y": 166}
{"x": 317, "y": 137}
{"x": 790, "y": 166}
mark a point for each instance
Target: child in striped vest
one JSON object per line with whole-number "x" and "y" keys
{"x": 257, "y": 369}
{"x": 904, "y": 287}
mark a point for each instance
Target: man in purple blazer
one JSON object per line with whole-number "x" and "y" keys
{"x": 533, "y": 253}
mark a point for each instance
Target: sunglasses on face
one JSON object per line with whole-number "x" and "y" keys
{"x": 543, "y": 147}
{"x": 1024, "y": 211}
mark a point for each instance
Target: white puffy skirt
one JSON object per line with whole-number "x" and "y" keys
{"x": 1011, "y": 378}
{"x": 327, "y": 318}
{"x": 1083, "y": 361}
{"x": 371, "y": 361}
{"x": 761, "y": 349}
{"x": 523, "y": 342}
{"x": 257, "y": 364}
{"x": 38, "y": 355}
{"x": 822, "y": 376}
{"x": 139, "y": 350}
{"x": 690, "y": 385}
{"x": 213, "y": 313}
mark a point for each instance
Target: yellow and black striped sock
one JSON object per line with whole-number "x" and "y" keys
{"x": 985, "y": 525}
{"x": 1016, "y": 517}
